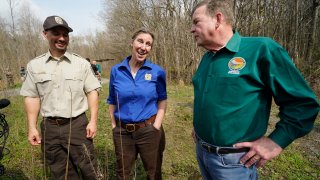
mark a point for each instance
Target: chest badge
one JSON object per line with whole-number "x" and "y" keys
{"x": 236, "y": 64}
{"x": 147, "y": 77}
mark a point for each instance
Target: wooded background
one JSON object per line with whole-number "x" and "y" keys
{"x": 292, "y": 23}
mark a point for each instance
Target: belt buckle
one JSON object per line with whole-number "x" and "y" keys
{"x": 58, "y": 121}
{"x": 218, "y": 150}
{"x": 130, "y": 127}
{"x": 62, "y": 121}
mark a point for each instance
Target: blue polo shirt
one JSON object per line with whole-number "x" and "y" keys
{"x": 138, "y": 98}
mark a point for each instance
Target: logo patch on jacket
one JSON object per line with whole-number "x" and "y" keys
{"x": 236, "y": 64}
{"x": 147, "y": 77}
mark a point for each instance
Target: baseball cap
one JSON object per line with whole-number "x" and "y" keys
{"x": 54, "y": 21}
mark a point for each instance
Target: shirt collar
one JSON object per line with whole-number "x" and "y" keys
{"x": 234, "y": 43}
{"x": 125, "y": 63}
{"x": 66, "y": 57}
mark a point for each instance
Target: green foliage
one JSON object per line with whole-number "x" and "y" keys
{"x": 24, "y": 161}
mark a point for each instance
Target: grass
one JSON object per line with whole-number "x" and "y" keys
{"x": 24, "y": 161}
{"x": 4, "y": 87}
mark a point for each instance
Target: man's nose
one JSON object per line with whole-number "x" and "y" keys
{"x": 62, "y": 37}
{"x": 192, "y": 30}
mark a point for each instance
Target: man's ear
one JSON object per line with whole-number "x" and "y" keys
{"x": 44, "y": 34}
{"x": 219, "y": 18}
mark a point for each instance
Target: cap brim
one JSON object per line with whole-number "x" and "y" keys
{"x": 67, "y": 27}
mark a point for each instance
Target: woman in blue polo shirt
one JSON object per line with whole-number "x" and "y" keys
{"x": 137, "y": 104}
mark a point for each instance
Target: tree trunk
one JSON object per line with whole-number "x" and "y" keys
{"x": 296, "y": 34}
{"x": 312, "y": 36}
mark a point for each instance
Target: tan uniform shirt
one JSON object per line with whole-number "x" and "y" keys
{"x": 61, "y": 85}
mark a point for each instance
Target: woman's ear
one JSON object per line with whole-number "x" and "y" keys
{"x": 131, "y": 43}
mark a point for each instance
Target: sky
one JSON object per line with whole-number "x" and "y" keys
{"x": 81, "y": 15}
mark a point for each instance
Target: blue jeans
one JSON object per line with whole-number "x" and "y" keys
{"x": 215, "y": 166}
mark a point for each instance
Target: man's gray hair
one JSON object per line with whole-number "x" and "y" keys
{"x": 214, "y": 6}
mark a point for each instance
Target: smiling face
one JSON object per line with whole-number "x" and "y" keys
{"x": 141, "y": 46}
{"x": 58, "y": 39}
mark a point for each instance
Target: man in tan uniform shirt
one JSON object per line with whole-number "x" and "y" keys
{"x": 61, "y": 86}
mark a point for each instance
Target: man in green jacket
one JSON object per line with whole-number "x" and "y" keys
{"x": 233, "y": 89}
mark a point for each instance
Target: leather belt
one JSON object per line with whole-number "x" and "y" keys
{"x": 132, "y": 127}
{"x": 61, "y": 120}
{"x": 222, "y": 150}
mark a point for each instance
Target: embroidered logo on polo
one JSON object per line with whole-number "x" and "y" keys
{"x": 147, "y": 77}
{"x": 236, "y": 64}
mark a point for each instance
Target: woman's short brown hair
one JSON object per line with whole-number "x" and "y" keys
{"x": 144, "y": 31}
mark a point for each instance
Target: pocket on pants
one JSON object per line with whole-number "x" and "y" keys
{"x": 155, "y": 129}
{"x": 232, "y": 160}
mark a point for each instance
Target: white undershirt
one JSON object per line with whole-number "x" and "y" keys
{"x": 134, "y": 74}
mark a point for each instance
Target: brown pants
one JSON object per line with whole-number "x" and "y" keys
{"x": 146, "y": 142}
{"x": 55, "y": 149}
{"x": 162, "y": 146}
